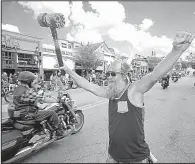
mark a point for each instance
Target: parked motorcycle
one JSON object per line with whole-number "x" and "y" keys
{"x": 22, "y": 138}
{"x": 7, "y": 94}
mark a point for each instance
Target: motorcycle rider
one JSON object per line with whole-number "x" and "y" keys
{"x": 25, "y": 99}
{"x": 166, "y": 79}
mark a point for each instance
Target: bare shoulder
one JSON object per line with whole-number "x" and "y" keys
{"x": 134, "y": 96}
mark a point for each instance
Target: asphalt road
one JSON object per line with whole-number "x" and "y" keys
{"x": 169, "y": 128}
{"x": 81, "y": 97}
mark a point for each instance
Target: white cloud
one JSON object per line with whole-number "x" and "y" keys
{"x": 146, "y": 24}
{"x": 108, "y": 20}
{"x": 10, "y": 27}
{"x": 142, "y": 42}
{"x": 86, "y": 36}
{"x": 48, "y": 7}
{"x": 106, "y": 14}
{"x": 116, "y": 50}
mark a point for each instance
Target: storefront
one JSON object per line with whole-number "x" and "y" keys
{"x": 20, "y": 52}
{"x": 50, "y": 63}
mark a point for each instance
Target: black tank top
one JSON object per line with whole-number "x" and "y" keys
{"x": 126, "y": 132}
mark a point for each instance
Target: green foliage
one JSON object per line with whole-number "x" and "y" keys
{"x": 190, "y": 57}
{"x": 184, "y": 65}
{"x": 152, "y": 61}
{"x": 88, "y": 59}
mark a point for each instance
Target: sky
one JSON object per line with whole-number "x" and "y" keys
{"x": 128, "y": 26}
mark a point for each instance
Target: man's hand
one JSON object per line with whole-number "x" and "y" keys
{"x": 182, "y": 40}
{"x": 65, "y": 67}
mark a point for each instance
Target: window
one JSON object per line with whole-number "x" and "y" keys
{"x": 69, "y": 46}
{"x": 101, "y": 64}
{"x": 26, "y": 58}
{"x": 8, "y": 58}
{"x": 64, "y": 45}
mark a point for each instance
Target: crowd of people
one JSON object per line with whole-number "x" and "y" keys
{"x": 9, "y": 80}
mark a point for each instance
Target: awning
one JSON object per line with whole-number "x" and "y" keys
{"x": 50, "y": 62}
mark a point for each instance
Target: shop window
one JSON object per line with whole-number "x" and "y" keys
{"x": 69, "y": 46}
{"x": 26, "y": 59}
{"x": 8, "y": 59}
{"x": 64, "y": 45}
{"x": 101, "y": 64}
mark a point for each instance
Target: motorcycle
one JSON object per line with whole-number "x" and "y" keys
{"x": 22, "y": 138}
{"x": 174, "y": 78}
{"x": 164, "y": 84}
{"x": 7, "y": 94}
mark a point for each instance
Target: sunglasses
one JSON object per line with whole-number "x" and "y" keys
{"x": 113, "y": 74}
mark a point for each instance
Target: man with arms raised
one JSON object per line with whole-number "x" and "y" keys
{"x": 126, "y": 103}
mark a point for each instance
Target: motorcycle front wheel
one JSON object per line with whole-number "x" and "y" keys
{"x": 80, "y": 123}
{"x": 8, "y": 96}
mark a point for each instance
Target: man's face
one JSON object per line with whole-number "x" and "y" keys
{"x": 35, "y": 85}
{"x": 116, "y": 81}
{"x": 114, "y": 73}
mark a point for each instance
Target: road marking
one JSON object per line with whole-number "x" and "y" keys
{"x": 79, "y": 108}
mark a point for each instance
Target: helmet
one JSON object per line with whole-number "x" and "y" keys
{"x": 26, "y": 76}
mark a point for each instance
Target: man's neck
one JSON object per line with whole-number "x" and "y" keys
{"x": 126, "y": 85}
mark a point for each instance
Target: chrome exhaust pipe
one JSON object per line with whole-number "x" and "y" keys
{"x": 20, "y": 155}
{"x": 27, "y": 151}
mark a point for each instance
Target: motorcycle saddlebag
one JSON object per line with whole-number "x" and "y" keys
{"x": 11, "y": 142}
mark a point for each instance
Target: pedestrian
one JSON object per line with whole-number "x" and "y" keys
{"x": 126, "y": 104}
{"x": 59, "y": 81}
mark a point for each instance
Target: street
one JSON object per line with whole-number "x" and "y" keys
{"x": 169, "y": 127}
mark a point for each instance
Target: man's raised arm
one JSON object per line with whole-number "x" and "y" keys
{"x": 181, "y": 42}
{"x": 85, "y": 84}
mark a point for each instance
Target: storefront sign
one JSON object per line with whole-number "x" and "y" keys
{"x": 9, "y": 43}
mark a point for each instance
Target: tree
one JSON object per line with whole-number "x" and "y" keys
{"x": 177, "y": 66}
{"x": 193, "y": 65}
{"x": 152, "y": 62}
{"x": 88, "y": 58}
{"x": 184, "y": 64}
{"x": 191, "y": 60}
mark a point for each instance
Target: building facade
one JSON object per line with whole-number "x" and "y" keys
{"x": 140, "y": 65}
{"x": 20, "y": 52}
{"x": 50, "y": 63}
